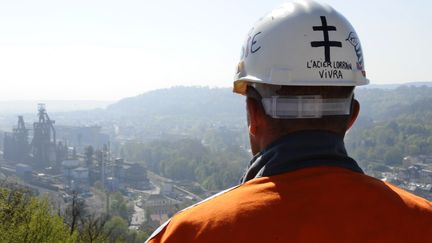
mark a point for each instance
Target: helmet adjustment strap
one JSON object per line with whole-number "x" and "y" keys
{"x": 305, "y": 106}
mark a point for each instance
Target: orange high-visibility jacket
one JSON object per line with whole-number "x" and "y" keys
{"x": 315, "y": 203}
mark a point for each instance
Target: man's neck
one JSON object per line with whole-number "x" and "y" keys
{"x": 270, "y": 137}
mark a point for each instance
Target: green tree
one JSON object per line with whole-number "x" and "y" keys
{"x": 117, "y": 228}
{"x": 121, "y": 207}
{"x": 393, "y": 156}
{"x": 25, "y": 218}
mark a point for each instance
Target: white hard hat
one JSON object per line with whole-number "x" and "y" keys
{"x": 302, "y": 43}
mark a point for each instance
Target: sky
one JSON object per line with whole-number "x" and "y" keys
{"x": 108, "y": 50}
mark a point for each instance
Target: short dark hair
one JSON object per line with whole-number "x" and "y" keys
{"x": 337, "y": 123}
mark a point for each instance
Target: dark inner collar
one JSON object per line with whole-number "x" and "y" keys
{"x": 300, "y": 150}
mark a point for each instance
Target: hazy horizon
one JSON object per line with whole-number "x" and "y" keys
{"x": 19, "y": 107}
{"x": 187, "y": 86}
{"x": 15, "y": 107}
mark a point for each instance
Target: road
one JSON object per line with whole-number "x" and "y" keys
{"x": 139, "y": 215}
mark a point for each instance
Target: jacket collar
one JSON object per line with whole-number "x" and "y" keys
{"x": 300, "y": 150}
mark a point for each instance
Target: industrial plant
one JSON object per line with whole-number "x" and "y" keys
{"x": 74, "y": 163}
{"x": 78, "y": 163}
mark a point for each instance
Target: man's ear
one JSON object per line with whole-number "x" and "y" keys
{"x": 354, "y": 113}
{"x": 252, "y": 107}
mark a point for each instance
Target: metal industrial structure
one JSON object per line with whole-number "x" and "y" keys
{"x": 43, "y": 150}
{"x": 43, "y": 145}
{"x": 16, "y": 145}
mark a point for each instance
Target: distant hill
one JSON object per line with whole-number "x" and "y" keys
{"x": 394, "y": 86}
{"x": 180, "y": 100}
{"x": 386, "y": 104}
{"x": 199, "y": 103}
{"x": 216, "y": 104}
{"x": 393, "y": 123}
{"x": 180, "y": 109}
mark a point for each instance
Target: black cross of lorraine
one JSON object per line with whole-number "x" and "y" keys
{"x": 326, "y": 43}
